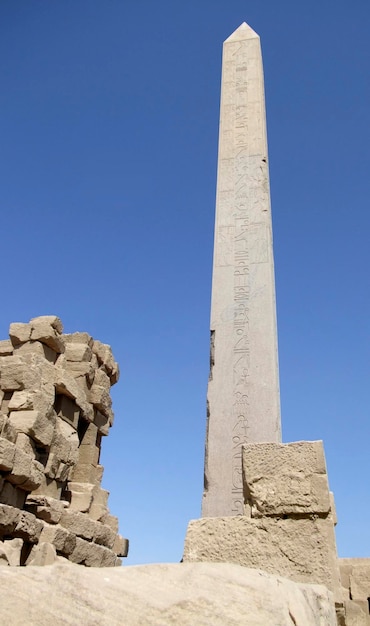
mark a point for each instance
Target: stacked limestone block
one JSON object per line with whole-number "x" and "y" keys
{"x": 55, "y": 406}
{"x": 288, "y": 524}
{"x": 355, "y": 577}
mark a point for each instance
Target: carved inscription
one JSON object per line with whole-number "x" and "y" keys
{"x": 241, "y": 348}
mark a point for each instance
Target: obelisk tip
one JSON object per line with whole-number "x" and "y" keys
{"x": 243, "y": 32}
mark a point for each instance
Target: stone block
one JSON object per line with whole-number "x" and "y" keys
{"x": 106, "y": 360}
{"x": 111, "y": 521}
{"x": 89, "y": 454}
{"x": 8, "y": 431}
{"x": 120, "y": 546}
{"x": 283, "y": 479}
{"x": 28, "y": 527}
{"x": 65, "y": 384}
{"x": 49, "y": 487}
{"x": 7, "y": 454}
{"x": 65, "y": 442}
{"x": 354, "y": 615}
{"x": 54, "y": 321}
{"x": 6, "y": 347}
{"x": 90, "y": 436}
{"x": 36, "y": 347}
{"x": 84, "y": 473}
{"x": 300, "y": 549}
{"x": 81, "y": 371}
{"x": 79, "y": 524}
{"x": 67, "y": 409}
{"x": 102, "y": 422}
{"x": 42, "y": 330}
{"x": 19, "y": 333}
{"x": 43, "y": 507}
{"x": 80, "y": 496}
{"x": 90, "y": 554}
{"x": 79, "y": 338}
{"x": 359, "y": 583}
{"x": 13, "y": 373}
{"x": 42, "y": 554}
{"x": 78, "y": 352}
{"x": 10, "y": 551}
{"x": 100, "y": 398}
{"x": 64, "y": 472}
{"x": 21, "y": 470}
{"x": 35, "y": 478}
{"x": 26, "y": 444}
{"x": 34, "y": 424}
{"x": 12, "y": 495}
{"x": 63, "y": 540}
{"x": 104, "y": 535}
{"x": 52, "y": 466}
{"x": 21, "y": 401}
{"x": 9, "y": 518}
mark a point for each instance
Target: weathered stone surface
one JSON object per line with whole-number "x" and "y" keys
{"x": 48, "y": 509}
{"x": 63, "y": 540}
{"x": 285, "y": 478}
{"x": 79, "y": 338}
{"x": 42, "y": 554}
{"x": 355, "y": 578}
{"x": 79, "y": 352}
{"x": 12, "y": 495}
{"x": 120, "y": 546}
{"x": 45, "y": 330}
{"x": 300, "y": 549}
{"x": 243, "y": 389}
{"x": 35, "y": 424}
{"x": 36, "y": 347}
{"x": 52, "y": 320}
{"x": 105, "y": 536}
{"x": 10, "y": 552}
{"x": 88, "y": 553}
{"x": 9, "y": 517}
{"x": 6, "y": 347}
{"x": 28, "y": 527}
{"x": 188, "y": 594}
{"x": 19, "y": 333}
{"x": 80, "y": 496}
{"x": 7, "y": 453}
{"x": 79, "y": 524}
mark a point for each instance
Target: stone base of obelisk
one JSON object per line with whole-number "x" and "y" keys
{"x": 288, "y": 525}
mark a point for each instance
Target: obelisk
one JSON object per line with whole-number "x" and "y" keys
{"x": 243, "y": 389}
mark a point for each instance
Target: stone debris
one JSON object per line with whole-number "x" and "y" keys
{"x": 55, "y": 407}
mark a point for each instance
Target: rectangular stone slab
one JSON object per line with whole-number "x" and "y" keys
{"x": 303, "y": 550}
{"x": 286, "y": 478}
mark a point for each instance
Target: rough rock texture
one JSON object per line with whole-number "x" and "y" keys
{"x": 287, "y": 528}
{"x": 298, "y": 549}
{"x": 188, "y": 594}
{"x": 55, "y": 407}
{"x": 355, "y": 577}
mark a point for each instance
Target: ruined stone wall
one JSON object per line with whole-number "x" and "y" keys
{"x": 55, "y": 407}
{"x": 355, "y": 577}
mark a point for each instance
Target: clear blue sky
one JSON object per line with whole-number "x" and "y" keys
{"x": 109, "y": 127}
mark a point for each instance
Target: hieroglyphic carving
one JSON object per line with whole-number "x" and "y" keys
{"x": 243, "y": 390}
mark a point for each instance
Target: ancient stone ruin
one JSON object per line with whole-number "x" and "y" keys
{"x": 55, "y": 407}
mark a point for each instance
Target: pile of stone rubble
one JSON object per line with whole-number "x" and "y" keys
{"x": 55, "y": 406}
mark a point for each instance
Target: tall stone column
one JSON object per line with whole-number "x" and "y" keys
{"x": 243, "y": 389}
